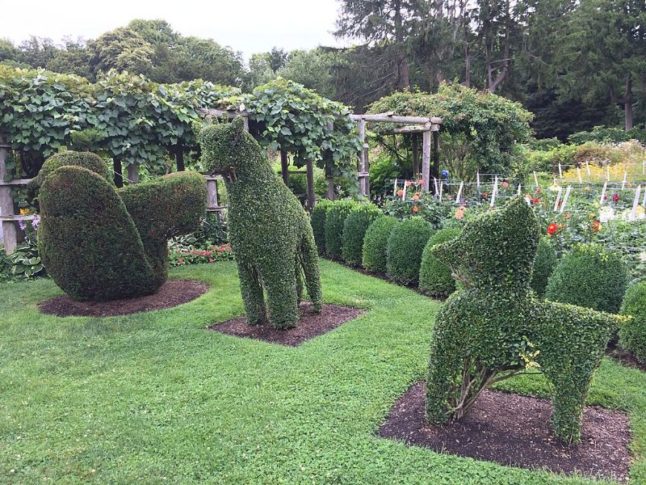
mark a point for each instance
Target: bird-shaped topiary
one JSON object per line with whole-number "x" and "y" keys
{"x": 101, "y": 243}
{"x": 493, "y": 326}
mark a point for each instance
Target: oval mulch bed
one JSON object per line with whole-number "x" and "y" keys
{"x": 309, "y": 326}
{"x": 514, "y": 430}
{"x": 171, "y": 293}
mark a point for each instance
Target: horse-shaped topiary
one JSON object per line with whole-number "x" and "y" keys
{"x": 101, "y": 243}
{"x": 494, "y": 327}
{"x": 270, "y": 232}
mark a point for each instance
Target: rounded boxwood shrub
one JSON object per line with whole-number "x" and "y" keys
{"x": 317, "y": 219}
{"x": 375, "y": 244}
{"x": 589, "y": 276}
{"x": 334, "y": 221}
{"x": 405, "y": 246}
{"x": 354, "y": 231}
{"x": 632, "y": 335}
{"x": 544, "y": 265}
{"x": 435, "y": 277}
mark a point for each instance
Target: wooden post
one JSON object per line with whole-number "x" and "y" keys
{"x": 133, "y": 174}
{"x": 415, "y": 150}
{"x": 118, "y": 172}
{"x": 311, "y": 199}
{"x": 436, "y": 151}
{"x": 9, "y": 231}
{"x": 426, "y": 160}
{"x": 284, "y": 166}
{"x": 212, "y": 204}
{"x": 364, "y": 181}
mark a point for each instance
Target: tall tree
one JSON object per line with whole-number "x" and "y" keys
{"x": 389, "y": 22}
{"x": 604, "y": 54}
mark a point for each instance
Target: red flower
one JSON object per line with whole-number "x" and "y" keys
{"x": 552, "y": 229}
{"x": 615, "y": 198}
{"x": 535, "y": 201}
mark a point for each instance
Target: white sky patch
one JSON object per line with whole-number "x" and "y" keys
{"x": 245, "y": 25}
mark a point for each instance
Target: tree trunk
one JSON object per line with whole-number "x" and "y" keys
{"x": 330, "y": 181}
{"x": 311, "y": 198}
{"x": 467, "y": 66}
{"x": 179, "y": 159}
{"x": 284, "y": 166}
{"x": 403, "y": 74}
{"x": 118, "y": 172}
{"x": 628, "y": 103}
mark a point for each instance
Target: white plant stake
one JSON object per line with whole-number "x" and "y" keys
{"x": 437, "y": 189}
{"x": 633, "y": 213}
{"x": 395, "y": 188}
{"x": 560, "y": 171}
{"x": 608, "y": 173}
{"x": 478, "y": 179}
{"x": 603, "y": 193}
{"x": 404, "y": 193}
{"x": 457, "y": 199}
{"x": 565, "y": 199}
{"x": 494, "y": 192}
{"x": 578, "y": 174}
{"x": 558, "y": 199}
{"x": 587, "y": 168}
{"x": 519, "y": 187}
{"x": 535, "y": 180}
{"x": 623, "y": 183}
{"x": 441, "y": 187}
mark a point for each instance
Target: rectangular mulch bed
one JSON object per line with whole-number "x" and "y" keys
{"x": 310, "y": 325}
{"x": 514, "y": 430}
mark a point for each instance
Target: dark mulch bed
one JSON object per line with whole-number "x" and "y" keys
{"x": 514, "y": 430}
{"x": 624, "y": 357}
{"x": 172, "y": 293}
{"x": 309, "y": 326}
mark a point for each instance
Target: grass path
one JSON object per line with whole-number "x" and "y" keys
{"x": 154, "y": 397}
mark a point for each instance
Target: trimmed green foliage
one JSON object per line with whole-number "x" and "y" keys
{"x": 435, "y": 277}
{"x": 334, "y": 221}
{"x": 632, "y": 335}
{"x": 405, "y": 246}
{"x": 157, "y": 375}
{"x": 544, "y": 264}
{"x": 317, "y": 219}
{"x": 162, "y": 209}
{"x": 494, "y": 327}
{"x": 98, "y": 243}
{"x": 87, "y": 240}
{"x": 270, "y": 232}
{"x": 354, "y": 230}
{"x": 375, "y": 244}
{"x": 589, "y": 276}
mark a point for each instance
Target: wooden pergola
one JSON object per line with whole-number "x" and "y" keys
{"x": 429, "y": 127}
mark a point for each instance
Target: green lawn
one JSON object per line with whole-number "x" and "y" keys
{"x": 154, "y": 397}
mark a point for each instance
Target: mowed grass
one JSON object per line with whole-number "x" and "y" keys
{"x": 155, "y": 397}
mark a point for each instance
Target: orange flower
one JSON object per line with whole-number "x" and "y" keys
{"x": 416, "y": 196}
{"x": 505, "y": 184}
{"x": 596, "y": 225}
{"x": 400, "y": 192}
{"x": 459, "y": 213}
{"x": 415, "y": 209}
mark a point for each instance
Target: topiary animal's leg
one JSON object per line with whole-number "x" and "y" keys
{"x": 445, "y": 364}
{"x": 570, "y": 389}
{"x": 252, "y": 294}
{"x": 300, "y": 282}
{"x": 310, "y": 261}
{"x": 282, "y": 298}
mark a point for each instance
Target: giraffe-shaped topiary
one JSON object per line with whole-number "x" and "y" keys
{"x": 270, "y": 232}
{"x": 493, "y": 327}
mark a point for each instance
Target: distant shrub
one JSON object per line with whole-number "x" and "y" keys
{"x": 405, "y": 246}
{"x": 435, "y": 277}
{"x": 354, "y": 230}
{"x": 334, "y": 221}
{"x": 632, "y": 336}
{"x": 317, "y": 220}
{"x": 589, "y": 276}
{"x": 375, "y": 244}
{"x": 607, "y": 134}
{"x": 544, "y": 265}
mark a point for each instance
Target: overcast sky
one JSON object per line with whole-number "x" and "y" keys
{"x": 245, "y": 25}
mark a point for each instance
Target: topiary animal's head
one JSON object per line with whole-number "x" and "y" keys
{"x": 228, "y": 148}
{"x": 496, "y": 249}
